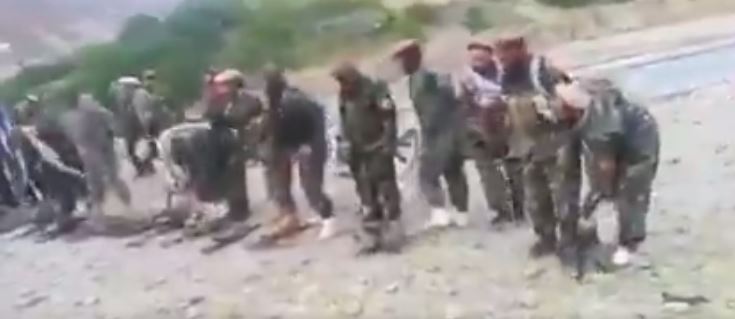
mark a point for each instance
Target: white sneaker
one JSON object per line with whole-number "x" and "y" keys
{"x": 621, "y": 257}
{"x": 329, "y": 228}
{"x": 440, "y": 218}
{"x": 460, "y": 219}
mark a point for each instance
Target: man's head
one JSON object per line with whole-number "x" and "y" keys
{"x": 482, "y": 57}
{"x": 511, "y": 50}
{"x": 408, "y": 54}
{"x": 275, "y": 82}
{"x": 149, "y": 77}
{"x": 574, "y": 98}
{"x": 226, "y": 84}
{"x": 348, "y": 77}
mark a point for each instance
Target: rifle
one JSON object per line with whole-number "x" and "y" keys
{"x": 586, "y": 232}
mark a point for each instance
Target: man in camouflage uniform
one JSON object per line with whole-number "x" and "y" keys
{"x": 621, "y": 151}
{"x": 91, "y": 128}
{"x": 441, "y": 121}
{"x": 295, "y": 130}
{"x": 136, "y": 107}
{"x": 551, "y": 176}
{"x": 229, "y": 111}
{"x": 27, "y": 110}
{"x": 487, "y": 136}
{"x": 368, "y": 116}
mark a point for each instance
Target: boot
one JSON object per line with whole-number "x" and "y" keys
{"x": 394, "y": 236}
{"x": 369, "y": 238}
{"x": 544, "y": 246}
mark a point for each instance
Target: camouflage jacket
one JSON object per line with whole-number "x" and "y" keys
{"x": 369, "y": 118}
{"x": 614, "y": 127}
{"x": 434, "y": 102}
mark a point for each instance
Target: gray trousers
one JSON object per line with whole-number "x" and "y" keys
{"x": 442, "y": 157}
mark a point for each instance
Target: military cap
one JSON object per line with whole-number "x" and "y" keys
{"x": 228, "y": 75}
{"x": 480, "y": 44}
{"x": 274, "y": 74}
{"x": 405, "y": 46}
{"x": 32, "y": 98}
{"x": 345, "y": 70}
{"x": 149, "y": 74}
{"x": 128, "y": 80}
{"x": 510, "y": 40}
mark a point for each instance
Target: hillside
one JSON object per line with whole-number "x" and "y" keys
{"x": 38, "y": 29}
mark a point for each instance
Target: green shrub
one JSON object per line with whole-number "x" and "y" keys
{"x": 475, "y": 20}
{"x": 422, "y": 13}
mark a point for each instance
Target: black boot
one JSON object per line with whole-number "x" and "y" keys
{"x": 544, "y": 246}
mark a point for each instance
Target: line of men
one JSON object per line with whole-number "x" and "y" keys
{"x": 526, "y": 124}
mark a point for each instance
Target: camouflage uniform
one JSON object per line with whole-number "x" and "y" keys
{"x": 441, "y": 124}
{"x": 487, "y": 142}
{"x": 297, "y": 122}
{"x": 551, "y": 173}
{"x": 225, "y": 167}
{"x": 369, "y": 125}
{"x": 91, "y": 127}
{"x": 143, "y": 124}
{"x": 615, "y": 128}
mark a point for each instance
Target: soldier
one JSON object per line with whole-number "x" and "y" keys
{"x": 621, "y": 151}
{"x": 368, "y": 116}
{"x": 479, "y": 92}
{"x": 28, "y": 110}
{"x": 146, "y": 106}
{"x": 551, "y": 177}
{"x": 229, "y": 111}
{"x": 91, "y": 128}
{"x": 295, "y": 130}
{"x": 441, "y": 122}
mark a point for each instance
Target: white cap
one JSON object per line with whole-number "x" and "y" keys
{"x": 227, "y": 76}
{"x": 129, "y": 80}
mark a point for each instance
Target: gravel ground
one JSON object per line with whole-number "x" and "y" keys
{"x": 471, "y": 273}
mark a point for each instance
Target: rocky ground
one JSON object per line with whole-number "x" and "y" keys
{"x": 472, "y": 273}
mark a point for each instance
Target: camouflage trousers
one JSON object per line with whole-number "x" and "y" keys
{"x": 442, "y": 157}
{"x": 102, "y": 173}
{"x": 279, "y": 176}
{"x": 552, "y": 193}
{"x": 133, "y": 132}
{"x": 375, "y": 181}
{"x": 501, "y": 178}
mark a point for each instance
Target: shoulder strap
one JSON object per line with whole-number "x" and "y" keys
{"x": 536, "y": 68}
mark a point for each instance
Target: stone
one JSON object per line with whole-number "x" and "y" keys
{"x": 534, "y": 273}
{"x": 673, "y": 161}
{"x": 434, "y": 269}
{"x": 30, "y": 301}
{"x": 192, "y": 312}
{"x": 676, "y": 307}
{"x": 392, "y": 288}
{"x": 193, "y": 301}
{"x": 90, "y": 301}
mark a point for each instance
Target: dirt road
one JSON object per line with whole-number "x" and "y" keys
{"x": 472, "y": 273}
